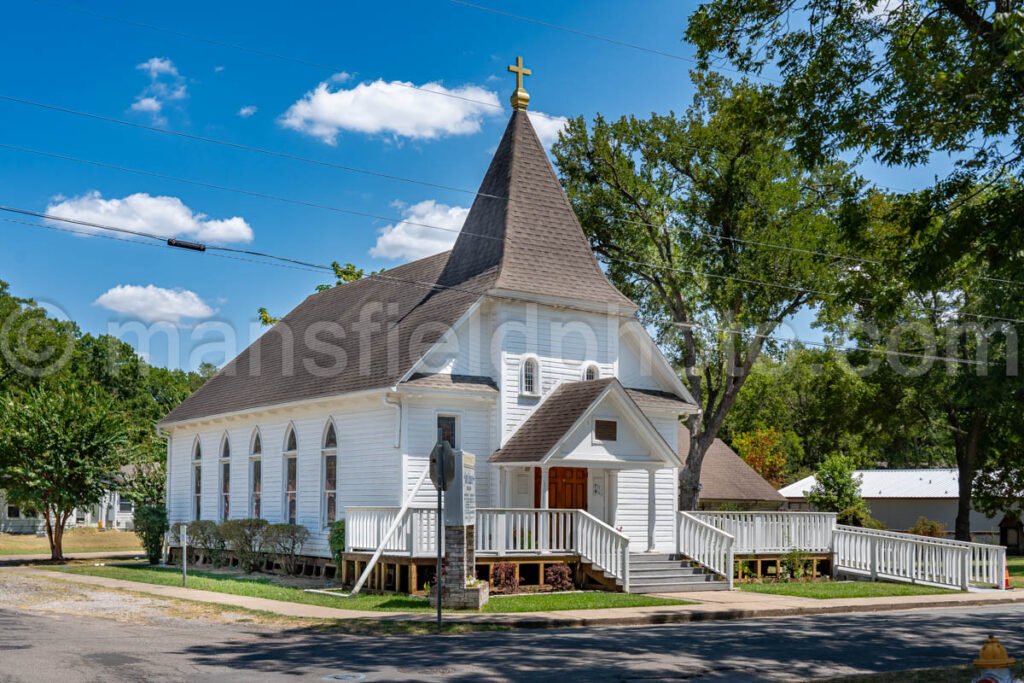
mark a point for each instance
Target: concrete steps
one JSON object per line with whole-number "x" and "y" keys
{"x": 664, "y": 573}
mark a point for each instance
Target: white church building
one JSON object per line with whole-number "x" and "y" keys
{"x": 513, "y": 346}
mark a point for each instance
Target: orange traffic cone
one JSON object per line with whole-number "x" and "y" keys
{"x": 1006, "y": 577}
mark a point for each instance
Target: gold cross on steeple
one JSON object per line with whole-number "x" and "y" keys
{"x": 520, "y": 98}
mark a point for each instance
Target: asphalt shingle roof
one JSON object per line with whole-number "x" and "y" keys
{"x": 521, "y": 235}
{"x": 724, "y": 475}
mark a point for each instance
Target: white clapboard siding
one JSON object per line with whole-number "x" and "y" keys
{"x": 474, "y": 427}
{"x": 562, "y": 343}
{"x": 631, "y": 509}
{"x": 637, "y": 363}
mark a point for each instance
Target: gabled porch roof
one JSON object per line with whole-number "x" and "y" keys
{"x": 541, "y": 438}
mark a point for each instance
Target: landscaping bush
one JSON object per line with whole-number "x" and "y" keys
{"x": 559, "y": 577}
{"x": 794, "y": 564}
{"x": 286, "y": 541}
{"x": 336, "y": 541}
{"x": 504, "y": 579}
{"x": 150, "y": 522}
{"x": 204, "y": 534}
{"x": 928, "y": 527}
{"x": 245, "y": 538}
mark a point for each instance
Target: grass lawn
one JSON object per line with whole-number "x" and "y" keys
{"x": 1016, "y": 566}
{"x": 75, "y": 541}
{"x": 265, "y": 588}
{"x": 826, "y": 590}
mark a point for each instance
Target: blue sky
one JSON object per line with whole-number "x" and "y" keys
{"x": 352, "y": 52}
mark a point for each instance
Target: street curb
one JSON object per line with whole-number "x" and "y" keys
{"x": 680, "y": 615}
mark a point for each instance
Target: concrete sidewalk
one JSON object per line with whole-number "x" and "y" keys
{"x": 713, "y": 605}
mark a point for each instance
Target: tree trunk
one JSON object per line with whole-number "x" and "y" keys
{"x": 967, "y": 462}
{"x": 689, "y": 478}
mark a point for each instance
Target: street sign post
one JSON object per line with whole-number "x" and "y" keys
{"x": 442, "y": 472}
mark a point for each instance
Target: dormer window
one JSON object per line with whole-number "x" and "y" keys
{"x": 529, "y": 379}
{"x": 591, "y": 372}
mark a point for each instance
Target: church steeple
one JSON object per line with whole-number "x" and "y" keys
{"x": 521, "y": 229}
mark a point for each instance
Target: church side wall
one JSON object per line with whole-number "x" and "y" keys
{"x": 369, "y": 465}
{"x": 631, "y": 508}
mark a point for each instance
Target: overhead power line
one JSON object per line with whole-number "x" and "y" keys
{"x": 311, "y": 266}
{"x": 331, "y": 68}
{"x": 240, "y": 146}
{"x": 665, "y": 267}
{"x": 436, "y": 287}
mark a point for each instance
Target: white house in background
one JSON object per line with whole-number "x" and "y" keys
{"x": 898, "y": 498}
{"x": 112, "y": 512}
{"x": 513, "y": 346}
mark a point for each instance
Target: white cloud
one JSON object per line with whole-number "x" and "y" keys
{"x": 164, "y": 216}
{"x": 166, "y": 85}
{"x": 392, "y": 108}
{"x": 341, "y": 77}
{"x": 247, "y": 111}
{"x": 411, "y": 239}
{"x": 548, "y": 127}
{"x": 217, "y": 69}
{"x": 154, "y": 304}
{"x": 158, "y": 66}
{"x": 147, "y": 104}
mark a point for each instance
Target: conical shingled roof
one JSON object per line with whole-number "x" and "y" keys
{"x": 522, "y": 222}
{"x": 521, "y": 236}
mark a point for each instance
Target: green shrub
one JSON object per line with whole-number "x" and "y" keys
{"x": 928, "y": 527}
{"x": 150, "y": 522}
{"x": 559, "y": 577}
{"x": 286, "y": 541}
{"x": 204, "y": 534}
{"x": 336, "y": 540}
{"x": 794, "y": 564}
{"x": 245, "y": 538}
{"x": 504, "y": 579}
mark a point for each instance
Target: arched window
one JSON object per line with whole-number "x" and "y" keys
{"x": 197, "y": 480}
{"x": 329, "y": 454}
{"x": 591, "y": 372}
{"x": 255, "y": 475}
{"x": 225, "y": 478}
{"x": 529, "y": 380}
{"x": 291, "y": 475}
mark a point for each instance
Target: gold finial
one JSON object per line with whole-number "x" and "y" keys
{"x": 994, "y": 656}
{"x": 520, "y": 98}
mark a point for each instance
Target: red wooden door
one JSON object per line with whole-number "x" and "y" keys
{"x": 567, "y": 488}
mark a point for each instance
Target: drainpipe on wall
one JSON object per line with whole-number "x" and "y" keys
{"x": 398, "y": 415}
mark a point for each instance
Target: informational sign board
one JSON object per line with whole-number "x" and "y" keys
{"x": 460, "y": 499}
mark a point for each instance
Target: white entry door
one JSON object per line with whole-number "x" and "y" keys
{"x": 597, "y": 500}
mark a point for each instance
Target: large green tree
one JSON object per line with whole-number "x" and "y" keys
{"x": 61, "y": 447}
{"x": 680, "y": 208}
{"x": 905, "y": 81}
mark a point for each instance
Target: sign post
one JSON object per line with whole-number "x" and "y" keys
{"x": 442, "y": 472}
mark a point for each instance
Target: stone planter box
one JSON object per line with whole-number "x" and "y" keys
{"x": 468, "y": 598}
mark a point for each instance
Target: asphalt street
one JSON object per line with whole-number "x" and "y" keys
{"x": 64, "y": 648}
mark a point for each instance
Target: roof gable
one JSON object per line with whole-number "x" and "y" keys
{"x": 565, "y": 411}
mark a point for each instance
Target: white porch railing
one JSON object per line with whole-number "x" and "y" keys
{"x": 603, "y": 546}
{"x": 499, "y": 532}
{"x": 918, "y": 559}
{"x": 774, "y": 532}
{"x": 706, "y": 544}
